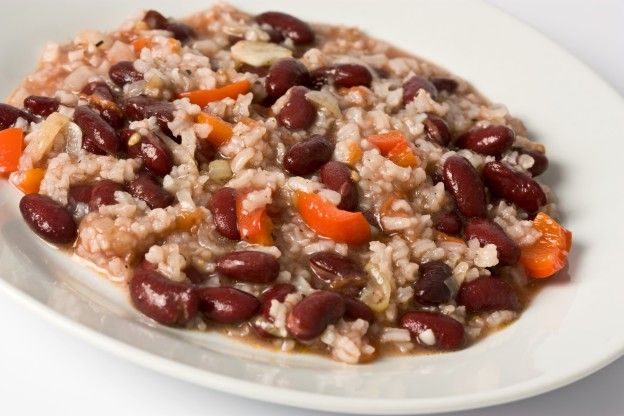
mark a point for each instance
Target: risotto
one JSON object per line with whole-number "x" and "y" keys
{"x": 303, "y": 185}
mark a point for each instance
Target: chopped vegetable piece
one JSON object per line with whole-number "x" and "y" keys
{"x": 221, "y": 131}
{"x": 203, "y": 97}
{"x": 140, "y": 43}
{"x": 402, "y": 155}
{"x": 549, "y": 253}
{"x": 329, "y": 221}
{"x": 393, "y": 145}
{"x": 31, "y": 180}
{"x": 256, "y": 226}
{"x": 354, "y": 154}
{"x": 11, "y": 144}
{"x": 186, "y": 220}
{"x": 440, "y": 236}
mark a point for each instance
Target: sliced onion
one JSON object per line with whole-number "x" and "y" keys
{"x": 377, "y": 293}
{"x": 325, "y": 100}
{"x": 42, "y": 139}
{"x": 258, "y": 53}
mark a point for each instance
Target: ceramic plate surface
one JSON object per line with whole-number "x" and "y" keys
{"x": 566, "y": 333}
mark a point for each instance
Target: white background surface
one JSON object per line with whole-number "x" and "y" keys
{"x": 46, "y": 371}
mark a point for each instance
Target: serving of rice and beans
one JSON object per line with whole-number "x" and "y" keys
{"x": 303, "y": 185}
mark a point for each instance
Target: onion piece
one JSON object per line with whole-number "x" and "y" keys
{"x": 377, "y": 293}
{"x": 325, "y": 100}
{"x": 258, "y": 53}
{"x": 42, "y": 139}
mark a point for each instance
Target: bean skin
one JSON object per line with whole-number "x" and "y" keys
{"x": 337, "y": 177}
{"x": 285, "y": 74}
{"x": 437, "y": 130}
{"x": 515, "y": 187}
{"x": 182, "y": 32}
{"x": 223, "y": 208}
{"x": 289, "y": 26}
{"x": 311, "y": 316}
{"x": 444, "y": 84}
{"x": 41, "y": 106}
{"x": 489, "y": 232}
{"x": 10, "y": 114}
{"x": 356, "y": 309}
{"x": 249, "y": 266}
{"x": 341, "y": 76}
{"x": 48, "y": 219}
{"x": 449, "y": 333}
{"x": 145, "y": 188}
{"x": 155, "y": 20}
{"x": 447, "y": 222}
{"x": 489, "y": 140}
{"x": 163, "y": 300}
{"x": 298, "y": 113}
{"x": 278, "y": 291}
{"x": 462, "y": 180}
{"x": 156, "y": 157}
{"x": 306, "y": 157}
{"x": 540, "y": 161}
{"x": 99, "y": 88}
{"x": 227, "y": 305}
{"x": 123, "y": 73}
{"x": 97, "y": 135}
{"x": 431, "y": 288}
{"x": 141, "y": 107}
{"x": 103, "y": 193}
{"x": 335, "y": 272}
{"x": 415, "y": 84}
{"x": 487, "y": 294}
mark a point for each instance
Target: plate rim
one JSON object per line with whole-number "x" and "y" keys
{"x": 317, "y": 401}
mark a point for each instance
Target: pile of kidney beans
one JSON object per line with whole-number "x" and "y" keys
{"x": 339, "y": 279}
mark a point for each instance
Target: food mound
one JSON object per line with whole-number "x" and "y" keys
{"x": 301, "y": 185}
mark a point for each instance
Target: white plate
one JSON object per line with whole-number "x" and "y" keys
{"x": 569, "y": 331}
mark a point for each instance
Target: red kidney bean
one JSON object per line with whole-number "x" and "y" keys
{"x": 447, "y": 222}
{"x": 97, "y": 135}
{"x": 78, "y": 194}
{"x": 278, "y": 291}
{"x": 10, "y": 114}
{"x": 223, "y": 208}
{"x": 336, "y": 272}
{"x": 196, "y": 276}
{"x": 261, "y": 71}
{"x": 227, "y": 304}
{"x": 298, "y": 112}
{"x": 99, "y": 88}
{"x": 356, "y": 309}
{"x": 103, "y": 193}
{"x": 489, "y": 140}
{"x": 123, "y": 73}
{"x": 163, "y": 300}
{"x": 155, "y": 20}
{"x": 515, "y": 187}
{"x": 337, "y": 177}
{"x": 155, "y": 155}
{"x": 145, "y": 188}
{"x": 249, "y": 266}
{"x": 486, "y": 294}
{"x": 341, "y": 76}
{"x": 449, "y": 333}
{"x": 41, "y": 106}
{"x": 489, "y": 232}
{"x": 416, "y": 83}
{"x": 444, "y": 84}
{"x": 431, "y": 288}
{"x": 48, "y": 219}
{"x": 181, "y": 31}
{"x": 205, "y": 152}
{"x": 462, "y": 180}
{"x": 275, "y": 36}
{"x": 311, "y": 316}
{"x": 142, "y": 107}
{"x": 437, "y": 130}
{"x": 540, "y": 161}
{"x": 307, "y": 156}
{"x": 285, "y": 74}
{"x": 289, "y": 26}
